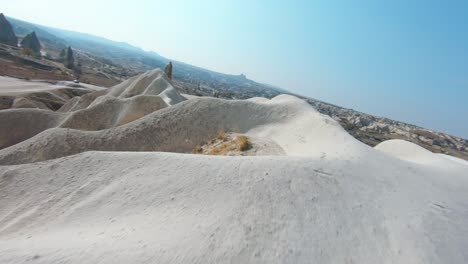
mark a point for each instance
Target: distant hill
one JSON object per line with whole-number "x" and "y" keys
{"x": 138, "y": 60}
{"x": 23, "y": 28}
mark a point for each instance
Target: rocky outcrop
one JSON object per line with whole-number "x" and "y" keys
{"x": 7, "y": 35}
{"x": 31, "y": 42}
{"x": 168, "y": 70}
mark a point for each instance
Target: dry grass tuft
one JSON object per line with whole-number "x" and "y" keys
{"x": 221, "y": 135}
{"x": 243, "y": 143}
{"x": 224, "y": 144}
{"x": 221, "y": 150}
{"x": 240, "y": 143}
{"x": 197, "y": 150}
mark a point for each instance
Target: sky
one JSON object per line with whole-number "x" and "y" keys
{"x": 406, "y": 60}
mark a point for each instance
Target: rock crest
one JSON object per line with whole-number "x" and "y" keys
{"x": 7, "y": 35}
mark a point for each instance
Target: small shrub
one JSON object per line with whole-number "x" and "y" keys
{"x": 349, "y": 126}
{"x": 27, "y": 52}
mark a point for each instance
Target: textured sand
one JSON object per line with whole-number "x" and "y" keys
{"x": 124, "y": 207}
{"x": 328, "y": 199}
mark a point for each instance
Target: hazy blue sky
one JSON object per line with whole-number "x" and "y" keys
{"x": 403, "y": 59}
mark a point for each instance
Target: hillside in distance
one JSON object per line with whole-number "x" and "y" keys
{"x": 108, "y": 62}
{"x": 136, "y": 60}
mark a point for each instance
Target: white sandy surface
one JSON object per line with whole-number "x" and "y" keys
{"x": 13, "y": 86}
{"x": 328, "y": 199}
{"x": 119, "y": 207}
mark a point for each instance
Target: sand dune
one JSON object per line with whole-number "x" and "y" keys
{"x": 149, "y": 83}
{"x": 19, "y": 124}
{"x": 93, "y": 111}
{"x": 328, "y": 199}
{"x": 290, "y": 122}
{"x": 107, "y": 111}
{"x": 81, "y": 102}
{"x": 16, "y": 93}
{"x": 171, "y": 208}
{"x": 411, "y": 152}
